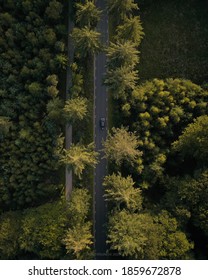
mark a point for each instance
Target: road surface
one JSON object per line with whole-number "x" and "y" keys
{"x": 100, "y": 111}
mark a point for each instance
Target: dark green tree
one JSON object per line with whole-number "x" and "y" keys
{"x": 43, "y": 230}
{"x": 87, "y": 14}
{"x": 54, "y": 10}
{"x": 122, "y": 7}
{"x": 131, "y": 30}
{"x": 193, "y": 143}
{"x": 86, "y": 41}
{"x": 10, "y": 230}
{"x": 163, "y": 108}
{"x": 122, "y": 54}
{"x": 121, "y": 81}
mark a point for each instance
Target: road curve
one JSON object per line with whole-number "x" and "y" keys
{"x": 100, "y": 111}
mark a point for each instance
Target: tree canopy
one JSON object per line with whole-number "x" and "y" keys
{"x": 121, "y": 190}
{"x": 75, "y": 109}
{"x": 121, "y": 146}
{"x": 122, "y": 7}
{"x": 193, "y": 142}
{"x": 131, "y": 30}
{"x": 122, "y": 54}
{"x": 141, "y": 236}
{"x": 87, "y": 14}
{"x": 78, "y": 157}
{"x": 86, "y": 41}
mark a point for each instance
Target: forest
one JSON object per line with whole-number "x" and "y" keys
{"x": 156, "y": 188}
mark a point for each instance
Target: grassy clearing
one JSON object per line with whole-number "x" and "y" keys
{"x": 176, "y": 39}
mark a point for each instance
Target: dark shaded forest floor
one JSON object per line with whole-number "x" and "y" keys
{"x": 176, "y": 39}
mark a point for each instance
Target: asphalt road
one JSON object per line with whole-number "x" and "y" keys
{"x": 100, "y": 111}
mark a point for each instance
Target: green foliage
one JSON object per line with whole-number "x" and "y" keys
{"x": 43, "y": 229}
{"x": 193, "y": 143}
{"x": 120, "y": 190}
{"x": 189, "y": 194}
{"x": 174, "y": 243}
{"x": 163, "y": 109}
{"x": 131, "y": 30}
{"x": 75, "y": 109}
{"x": 86, "y": 41}
{"x": 87, "y": 14}
{"x": 52, "y": 81}
{"x": 79, "y": 206}
{"x": 54, "y": 10}
{"x": 28, "y": 85}
{"x": 40, "y": 232}
{"x": 121, "y": 81}
{"x": 55, "y": 109}
{"x": 34, "y": 88}
{"x": 61, "y": 61}
{"x": 78, "y": 240}
{"x": 78, "y": 157}
{"x": 121, "y": 146}
{"x": 10, "y": 231}
{"x": 77, "y": 81}
{"x": 122, "y": 7}
{"x": 122, "y": 54}
{"x": 129, "y": 234}
{"x": 5, "y": 124}
{"x": 142, "y": 236}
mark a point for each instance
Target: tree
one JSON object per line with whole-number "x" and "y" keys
{"x": 10, "y": 230}
{"x": 28, "y": 161}
{"x": 55, "y": 109}
{"x": 129, "y": 233}
{"x": 87, "y": 14}
{"x": 193, "y": 143}
{"x": 121, "y": 146}
{"x": 43, "y": 230}
{"x": 77, "y": 81}
{"x": 121, "y": 190}
{"x": 189, "y": 194}
{"x": 122, "y": 54}
{"x": 78, "y": 157}
{"x": 61, "y": 61}
{"x": 131, "y": 30}
{"x": 35, "y": 88}
{"x": 144, "y": 236}
{"x": 78, "y": 240}
{"x": 5, "y": 124}
{"x": 52, "y": 80}
{"x": 173, "y": 242}
{"x": 121, "y": 7}
{"x": 86, "y": 41}
{"x": 161, "y": 110}
{"x": 75, "y": 109}
{"x": 79, "y": 206}
{"x": 54, "y": 10}
{"x": 49, "y": 36}
{"x": 121, "y": 81}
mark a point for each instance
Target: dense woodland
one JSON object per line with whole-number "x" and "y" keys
{"x": 157, "y": 183}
